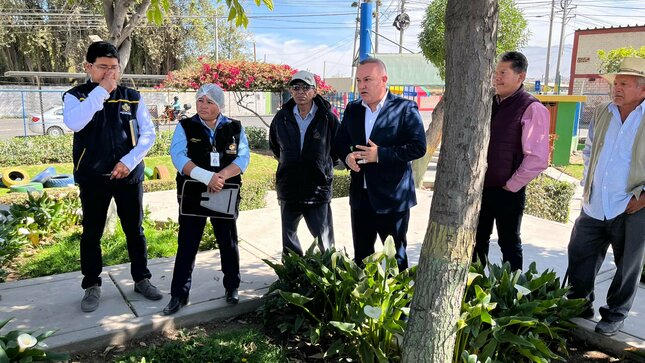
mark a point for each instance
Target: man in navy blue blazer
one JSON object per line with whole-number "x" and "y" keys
{"x": 379, "y": 136}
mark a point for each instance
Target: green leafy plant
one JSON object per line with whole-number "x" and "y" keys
{"x": 12, "y": 240}
{"x": 258, "y": 139}
{"x": 610, "y": 60}
{"x": 43, "y": 215}
{"x": 356, "y": 312}
{"x": 20, "y": 346}
{"x": 549, "y": 198}
{"x": 514, "y": 316}
{"x": 52, "y": 150}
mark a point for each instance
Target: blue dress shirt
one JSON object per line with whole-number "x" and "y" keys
{"x": 179, "y": 145}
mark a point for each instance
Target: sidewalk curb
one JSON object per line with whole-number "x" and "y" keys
{"x": 100, "y": 337}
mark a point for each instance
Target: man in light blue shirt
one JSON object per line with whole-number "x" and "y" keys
{"x": 613, "y": 210}
{"x": 213, "y": 150}
{"x": 301, "y": 137}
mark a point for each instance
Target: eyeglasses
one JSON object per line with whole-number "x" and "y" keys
{"x": 105, "y": 68}
{"x": 304, "y": 88}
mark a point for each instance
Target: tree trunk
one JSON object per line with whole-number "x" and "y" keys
{"x": 471, "y": 31}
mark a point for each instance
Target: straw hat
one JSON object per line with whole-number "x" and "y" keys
{"x": 628, "y": 67}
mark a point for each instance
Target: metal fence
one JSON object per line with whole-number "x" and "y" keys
{"x": 588, "y": 108}
{"x": 27, "y": 112}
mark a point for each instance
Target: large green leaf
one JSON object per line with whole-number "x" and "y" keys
{"x": 295, "y": 298}
{"x": 343, "y": 326}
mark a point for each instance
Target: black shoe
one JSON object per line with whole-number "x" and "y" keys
{"x": 232, "y": 297}
{"x": 587, "y": 313}
{"x": 174, "y": 305}
{"x": 608, "y": 328}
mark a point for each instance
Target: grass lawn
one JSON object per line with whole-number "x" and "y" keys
{"x": 574, "y": 170}
{"x": 260, "y": 165}
{"x": 238, "y": 345}
{"x": 64, "y": 254}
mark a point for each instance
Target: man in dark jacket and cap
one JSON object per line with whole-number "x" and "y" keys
{"x": 300, "y": 137}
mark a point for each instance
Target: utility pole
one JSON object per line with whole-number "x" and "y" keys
{"x": 565, "y": 13}
{"x": 365, "y": 46}
{"x": 216, "y": 37}
{"x": 324, "y": 68}
{"x": 254, "y": 53}
{"x": 354, "y": 57}
{"x": 402, "y": 28}
{"x": 376, "y": 28}
{"x": 548, "y": 49}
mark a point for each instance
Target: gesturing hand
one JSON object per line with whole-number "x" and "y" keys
{"x": 367, "y": 153}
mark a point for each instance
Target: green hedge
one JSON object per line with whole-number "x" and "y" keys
{"x": 341, "y": 183}
{"x": 258, "y": 138}
{"x": 549, "y": 198}
{"x": 53, "y": 150}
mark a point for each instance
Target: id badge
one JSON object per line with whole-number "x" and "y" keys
{"x": 214, "y": 158}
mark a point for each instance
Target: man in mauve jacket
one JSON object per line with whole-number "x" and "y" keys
{"x": 300, "y": 137}
{"x": 518, "y": 151}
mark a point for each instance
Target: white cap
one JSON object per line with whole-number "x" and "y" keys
{"x": 214, "y": 92}
{"x": 304, "y": 76}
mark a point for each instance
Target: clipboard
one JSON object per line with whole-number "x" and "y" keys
{"x": 196, "y": 201}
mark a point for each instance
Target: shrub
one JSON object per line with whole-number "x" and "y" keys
{"x": 42, "y": 215}
{"x": 36, "y": 150}
{"x": 258, "y": 138}
{"x": 20, "y": 346}
{"x": 513, "y": 316}
{"x": 254, "y": 192}
{"x": 352, "y": 311}
{"x": 342, "y": 179}
{"x": 549, "y": 198}
{"x": 161, "y": 146}
{"x": 11, "y": 240}
{"x": 156, "y": 185}
{"x": 52, "y": 150}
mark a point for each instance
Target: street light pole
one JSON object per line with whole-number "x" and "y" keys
{"x": 548, "y": 49}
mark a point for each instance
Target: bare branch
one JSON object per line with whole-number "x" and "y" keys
{"x": 239, "y": 100}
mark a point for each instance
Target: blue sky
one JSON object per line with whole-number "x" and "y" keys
{"x": 318, "y": 35}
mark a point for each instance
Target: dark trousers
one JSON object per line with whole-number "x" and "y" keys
{"x": 366, "y": 224}
{"x": 95, "y": 200}
{"x": 319, "y": 221}
{"x": 191, "y": 230}
{"x": 588, "y": 246}
{"x": 505, "y": 209}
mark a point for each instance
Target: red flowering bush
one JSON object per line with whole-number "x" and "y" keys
{"x": 238, "y": 76}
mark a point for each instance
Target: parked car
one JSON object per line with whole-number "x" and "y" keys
{"x": 54, "y": 125}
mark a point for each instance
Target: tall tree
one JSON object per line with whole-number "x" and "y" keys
{"x": 123, "y": 16}
{"x": 471, "y": 32}
{"x": 513, "y": 34}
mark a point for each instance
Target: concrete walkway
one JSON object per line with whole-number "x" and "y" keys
{"x": 54, "y": 302}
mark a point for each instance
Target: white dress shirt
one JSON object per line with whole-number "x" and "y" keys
{"x": 77, "y": 114}
{"x": 609, "y": 196}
